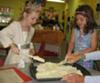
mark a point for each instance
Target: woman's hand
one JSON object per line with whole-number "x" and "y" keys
{"x": 31, "y": 51}
{"x": 67, "y": 55}
{"x": 73, "y": 78}
{"x": 14, "y": 48}
{"x": 73, "y": 58}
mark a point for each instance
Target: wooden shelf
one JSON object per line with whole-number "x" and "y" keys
{"x": 48, "y": 36}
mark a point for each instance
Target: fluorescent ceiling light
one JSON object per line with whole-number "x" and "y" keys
{"x": 60, "y": 1}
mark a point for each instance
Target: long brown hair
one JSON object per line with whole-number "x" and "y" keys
{"x": 86, "y": 11}
{"x": 32, "y": 5}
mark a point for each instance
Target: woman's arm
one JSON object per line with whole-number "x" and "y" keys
{"x": 71, "y": 43}
{"x": 14, "y": 48}
{"x": 32, "y": 50}
{"x": 6, "y": 35}
{"x": 81, "y": 55}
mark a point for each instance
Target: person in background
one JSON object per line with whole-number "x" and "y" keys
{"x": 19, "y": 33}
{"x": 50, "y": 19}
{"x": 83, "y": 37}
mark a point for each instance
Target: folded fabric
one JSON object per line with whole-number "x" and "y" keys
{"x": 92, "y": 56}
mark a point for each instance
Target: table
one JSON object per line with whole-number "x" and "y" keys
{"x": 55, "y": 81}
{"x": 33, "y": 80}
{"x": 93, "y": 72}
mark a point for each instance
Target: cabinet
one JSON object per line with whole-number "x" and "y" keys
{"x": 5, "y": 19}
{"x": 5, "y": 16}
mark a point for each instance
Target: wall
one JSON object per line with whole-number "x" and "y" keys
{"x": 15, "y": 5}
{"x": 59, "y": 7}
{"x": 73, "y": 4}
{"x": 98, "y": 14}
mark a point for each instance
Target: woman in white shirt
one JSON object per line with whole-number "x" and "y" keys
{"x": 19, "y": 33}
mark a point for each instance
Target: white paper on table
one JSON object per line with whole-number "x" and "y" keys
{"x": 92, "y": 56}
